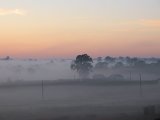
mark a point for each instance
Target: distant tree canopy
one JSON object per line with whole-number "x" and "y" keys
{"x": 101, "y": 65}
{"x": 6, "y": 58}
{"x": 109, "y": 59}
{"x": 83, "y": 65}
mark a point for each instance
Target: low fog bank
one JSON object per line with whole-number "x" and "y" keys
{"x": 22, "y": 70}
{"x": 127, "y": 68}
{"x": 108, "y": 68}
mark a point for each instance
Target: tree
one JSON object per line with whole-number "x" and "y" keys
{"x": 101, "y": 65}
{"x": 83, "y": 65}
{"x": 109, "y": 59}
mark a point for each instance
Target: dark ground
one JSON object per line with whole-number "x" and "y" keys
{"x": 80, "y": 102}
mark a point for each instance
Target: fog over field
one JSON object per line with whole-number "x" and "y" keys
{"x": 14, "y": 70}
{"x": 53, "y": 69}
{"x": 113, "y": 89}
{"x": 80, "y": 102}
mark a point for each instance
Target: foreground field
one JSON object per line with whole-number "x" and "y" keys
{"x": 78, "y": 102}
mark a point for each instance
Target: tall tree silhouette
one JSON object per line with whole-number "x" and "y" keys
{"x": 83, "y": 65}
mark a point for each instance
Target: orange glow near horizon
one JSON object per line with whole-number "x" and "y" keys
{"x": 68, "y": 43}
{"x": 63, "y": 32}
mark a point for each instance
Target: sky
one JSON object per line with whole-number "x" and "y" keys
{"x": 66, "y": 28}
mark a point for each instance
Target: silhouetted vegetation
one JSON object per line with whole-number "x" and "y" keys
{"x": 6, "y": 58}
{"x": 109, "y": 59}
{"x": 101, "y": 65}
{"x": 149, "y": 67}
{"x": 83, "y": 65}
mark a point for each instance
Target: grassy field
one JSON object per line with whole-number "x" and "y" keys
{"x": 78, "y": 102}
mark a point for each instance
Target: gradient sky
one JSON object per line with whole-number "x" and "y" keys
{"x": 65, "y": 28}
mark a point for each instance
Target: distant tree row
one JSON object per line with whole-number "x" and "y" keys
{"x": 83, "y": 64}
{"x": 125, "y": 62}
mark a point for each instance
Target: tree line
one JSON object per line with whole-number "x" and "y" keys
{"x": 83, "y": 64}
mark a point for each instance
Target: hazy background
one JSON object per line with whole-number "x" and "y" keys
{"x": 108, "y": 68}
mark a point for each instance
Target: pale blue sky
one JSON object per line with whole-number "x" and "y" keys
{"x": 129, "y": 9}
